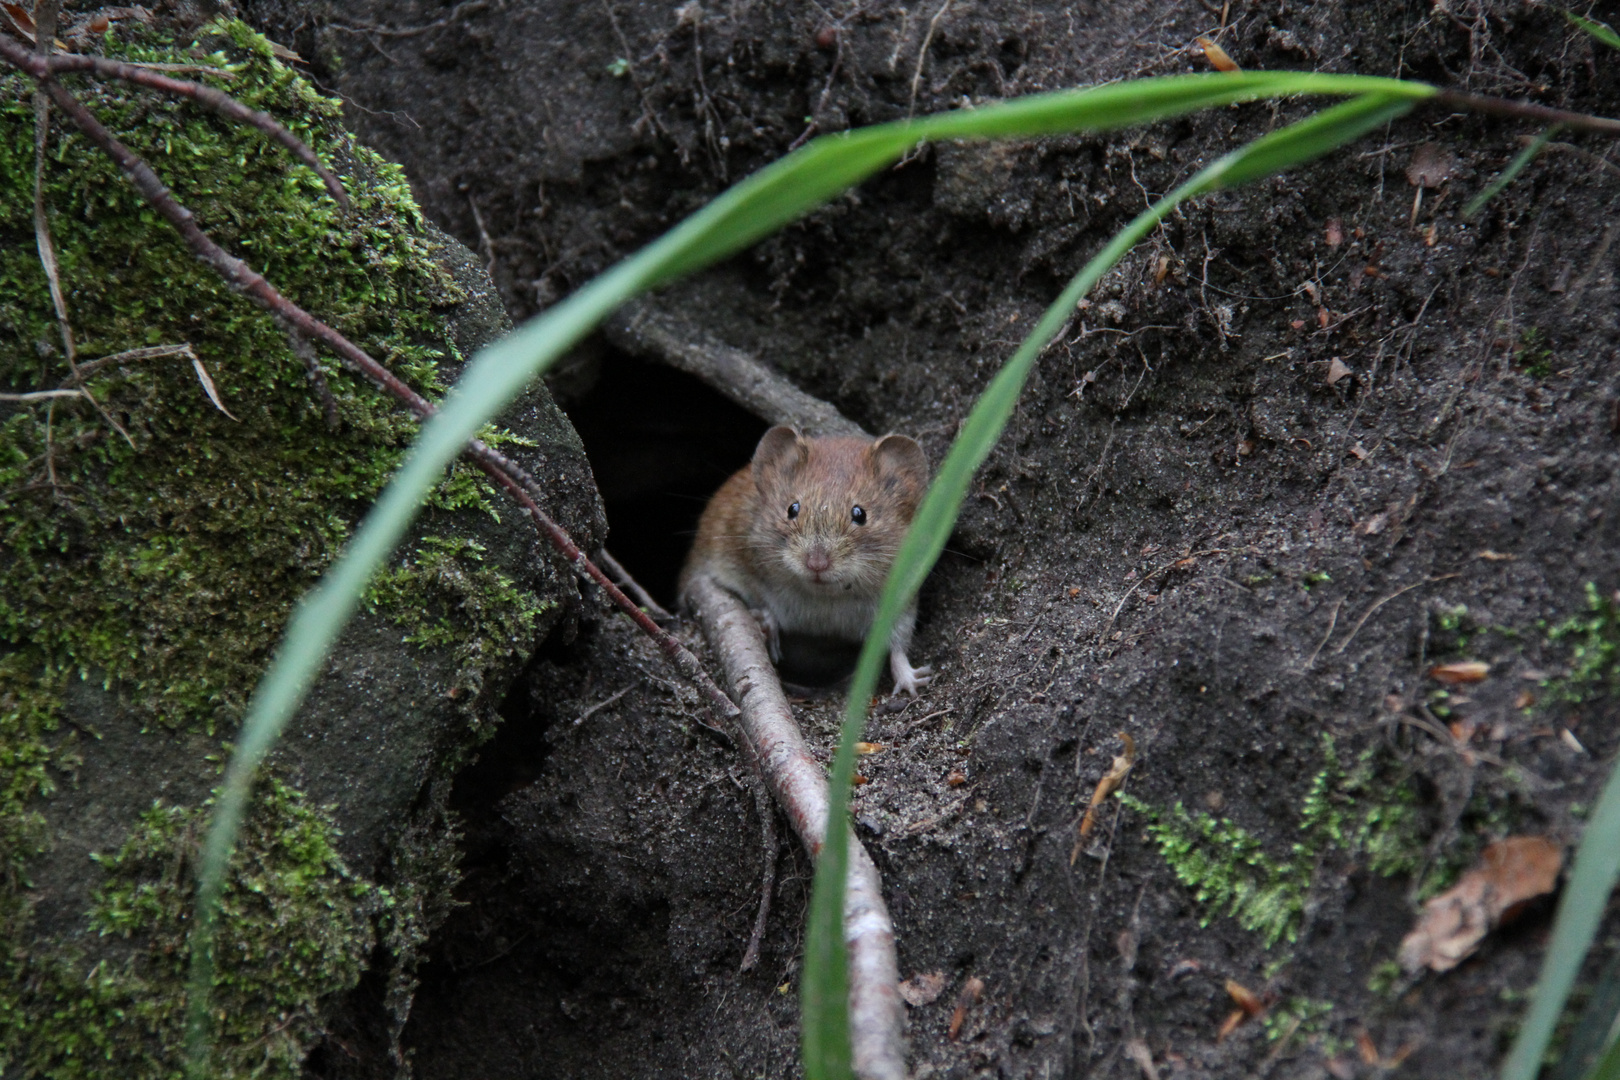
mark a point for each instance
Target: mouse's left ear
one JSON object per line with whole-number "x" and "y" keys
{"x": 899, "y": 455}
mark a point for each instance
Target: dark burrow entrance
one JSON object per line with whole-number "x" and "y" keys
{"x": 660, "y": 443}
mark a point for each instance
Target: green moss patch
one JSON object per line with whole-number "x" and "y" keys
{"x": 156, "y": 545}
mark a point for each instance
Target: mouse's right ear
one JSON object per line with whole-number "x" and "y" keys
{"x": 781, "y": 451}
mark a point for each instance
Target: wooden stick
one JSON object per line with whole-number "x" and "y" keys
{"x": 876, "y": 1013}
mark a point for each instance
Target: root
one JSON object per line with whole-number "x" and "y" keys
{"x": 799, "y": 785}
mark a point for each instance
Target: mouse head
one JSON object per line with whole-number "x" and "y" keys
{"x": 834, "y": 510}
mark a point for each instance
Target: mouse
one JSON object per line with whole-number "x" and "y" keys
{"x": 805, "y": 535}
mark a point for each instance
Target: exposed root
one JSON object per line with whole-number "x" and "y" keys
{"x": 876, "y": 1013}
{"x": 648, "y": 331}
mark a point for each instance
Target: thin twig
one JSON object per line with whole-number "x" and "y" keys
{"x": 149, "y": 352}
{"x": 42, "y": 395}
{"x": 922, "y": 54}
{"x": 1149, "y": 577}
{"x": 1356, "y": 629}
{"x": 622, "y": 578}
{"x": 1332, "y": 622}
{"x": 206, "y": 96}
{"x": 1523, "y": 110}
{"x": 245, "y": 279}
{"x": 767, "y": 883}
{"x": 600, "y": 705}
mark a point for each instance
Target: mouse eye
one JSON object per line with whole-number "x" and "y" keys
{"x": 858, "y": 516}
{"x": 793, "y": 511}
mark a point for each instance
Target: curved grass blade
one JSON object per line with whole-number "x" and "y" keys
{"x": 824, "y": 993}
{"x": 1600, "y": 30}
{"x": 1514, "y": 167}
{"x": 771, "y": 198}
{"x": 1597, "y": 867}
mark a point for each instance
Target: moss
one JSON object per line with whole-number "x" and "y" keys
{"x": 1594, "y": 639}
{"x": 288, "y": 888}
{"x": 162, "y": 556}
{"x": 1360, "y": 812}
{"x": 445, "y": 597}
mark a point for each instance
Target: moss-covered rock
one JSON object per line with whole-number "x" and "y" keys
{"x": 152, "y": 546}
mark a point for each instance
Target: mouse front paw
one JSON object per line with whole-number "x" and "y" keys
{"x": 908, "y": 679}
{"x": 773, "y": 633}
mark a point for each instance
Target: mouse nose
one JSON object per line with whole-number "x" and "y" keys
{"x": 817, "y": 560}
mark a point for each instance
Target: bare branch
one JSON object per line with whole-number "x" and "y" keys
{"x": 630, "y": 585}
{"x": 644, "y": 330}
{"x": 876, "y": 1013}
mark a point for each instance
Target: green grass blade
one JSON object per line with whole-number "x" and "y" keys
{"x": 1600, "y": 30}
{"x": 1608, "y": 1067}
{"x": 1506, "y": 176}
{"x": 824, "y": 993}
{"x": 774, "y": 196}
{"x": 1597, "y": 867}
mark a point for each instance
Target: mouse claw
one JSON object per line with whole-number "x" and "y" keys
{"x": 909, "y": 680}
{"x": 772, "y": 632}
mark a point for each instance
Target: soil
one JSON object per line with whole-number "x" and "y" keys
{"x": 1196, "y": 530}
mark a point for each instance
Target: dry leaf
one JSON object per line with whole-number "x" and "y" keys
{"x": 1367, "y": 1049}
{"x": 956, "y": 778}
{"x": 1524, "y": 700}
{"x": 1230, "y": 1024}
{"x": 1567, "y": 737}
{"x": 1510, "y": 873}
{"x": 923, "y": 988}
{"x": 1358, "y": 452}
{"x": 1244, "y": 998}
{"x": 1217, "y": 56}
{"x": 1495, "y": 556}
{"x": 21, "y": 21}
{"x": 208, "y": 387}
{"x": 972, "y": 991}
{"x": 1335, "y": 233}
{"x": 1461, "y": 671}
{"x": 1336, "y": 371}
{"x": 1109, "y": 784}
{"x": 864, "y": 748}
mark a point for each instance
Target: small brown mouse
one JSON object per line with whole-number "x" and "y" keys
{"x": 805, "y": 536}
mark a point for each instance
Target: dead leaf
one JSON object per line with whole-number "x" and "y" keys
{"x": 1496, "y": 556}
{"x": 1567, "y": 737}
{"x": 208, "y": 387}
{"x": 1110, "y": 782}
{"x": 1217, "y": 56}
{"x": 1250, "y": 1002}
{"x": 1510, "y": 873}
{"x": 972, "y": 991}
{"x": 864, "y": 748}
{"x": 923, "y": 988}
{"x": 1524, "y": 700}
{"x": 1336, "y": 371}
{"x": 1460, "y": 671}
{"x": 1323, "y": 317}
{"x": 1230, "y": 1024}
{"x": 1074, "y": 593}
{"x": 21, "y": 21}
{"x": 1358, "y": 452}
{"x": 1367, "y": 1048}
{"x": 1334, "y": 233}
{"x": 1432, "y": 165}
{"x": 956, "y": 778}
